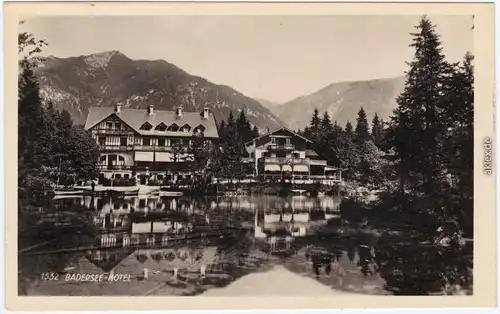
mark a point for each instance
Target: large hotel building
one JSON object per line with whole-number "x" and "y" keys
{"x": 144, "y": 143}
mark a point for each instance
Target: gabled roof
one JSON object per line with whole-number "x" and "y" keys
{"x": 276, "y": 130}
{"x": 135, "y": 118}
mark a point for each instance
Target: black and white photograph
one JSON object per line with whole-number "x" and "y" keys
{"x": 246, "y": 155}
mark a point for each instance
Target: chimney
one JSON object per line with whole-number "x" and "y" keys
{"x": 205, "y": 112}
{"x": 151, "y": 110}
{"x": 118, "y": 108}
{"x": 178, "y": 112}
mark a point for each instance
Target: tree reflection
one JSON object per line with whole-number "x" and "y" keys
{"x": 420, "y": 269}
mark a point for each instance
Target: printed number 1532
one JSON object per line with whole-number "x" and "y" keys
{"x": 50, "y": 276}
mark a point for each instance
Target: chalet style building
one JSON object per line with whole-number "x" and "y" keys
{"x": 146, "y": 143}
{"x": 284, "y": 154}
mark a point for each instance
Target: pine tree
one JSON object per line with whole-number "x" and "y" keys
{"x": 326, "y": 124}
{"x": 222, "y": 128}
{"x": 415, "y": 130}
{"x": 231, "y": 123}
{"x": 255, "y": 132}
{"x": 315, "y": 126}
{"x": 243, "y": 127}
{"x": 362, "y": 132}
{"x": 30, "y": 113}
{"x": 458, "y": 156}
{"x": 377, "y": 131}
{"x": 349, "y": 133}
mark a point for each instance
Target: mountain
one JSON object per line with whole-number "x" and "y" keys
{"x": 110, "y": 78}
{"x": 267, "y": 103}
{"x": 343, "y": 101}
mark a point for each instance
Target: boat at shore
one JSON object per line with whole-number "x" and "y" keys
{"x": 99, "y": 189}
{"x": 69, "y": 191}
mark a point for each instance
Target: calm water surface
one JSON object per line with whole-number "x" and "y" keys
{"x": 186, "y": 246}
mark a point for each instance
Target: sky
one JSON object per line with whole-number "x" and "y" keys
{"x": 277, "y": 58}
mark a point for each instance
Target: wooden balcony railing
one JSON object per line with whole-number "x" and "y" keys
{"x": 116, "y": 148}
{"x": 293, "y": 161}
{"x": 280, "y": 147}
{"x": 115, "y": 167}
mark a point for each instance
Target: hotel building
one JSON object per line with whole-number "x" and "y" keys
{"x": 145, "y": 143}
{"x": 284, "y": 154}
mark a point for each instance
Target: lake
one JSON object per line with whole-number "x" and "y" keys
{"x": 156, "y": 245}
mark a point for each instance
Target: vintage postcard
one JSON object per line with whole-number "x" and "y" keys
{"x": 249, "y": 156}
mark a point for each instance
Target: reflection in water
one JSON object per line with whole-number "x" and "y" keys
{"x": 184, "y": 246}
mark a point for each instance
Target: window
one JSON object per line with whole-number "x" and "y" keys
{"x": 118, "y": 176}
{"x": 173, "y": 128}
{"x": 118, "y": 125}
{"x": 123, "y": 141}
{"x": 185, "y": 128}
{"x": 288, "y": 140}
{"x": 161, "y": 142}
{"x": 273, "y": 140}
{"x": 102, "y": 140}
{"x": 146, "y": 126}
{"x": 175, "y": 141}
{"x": 186, "y": 143}
{"x": 146, "y": 141}
{"x": 109, "y": 125}
{"x": 126, "y": 176}
{"x": 102, "y": 160}
{"x": 161, "y": 127}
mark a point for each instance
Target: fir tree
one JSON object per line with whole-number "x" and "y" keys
{"x": 349, "y": 132}
{"x": 255, "y": 132}
{"x": 377, "y": 131}
{"x": 315, "y": 126}
{"x": 415, "y": 128}
{"x": 326, "y": 124}
{"x": 243, "y": 127}
{"x": 30, "y": 112}
{"x": 362, "y": 132}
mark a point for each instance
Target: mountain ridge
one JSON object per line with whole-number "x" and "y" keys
{"x": 110, "y": 77}
{"x": 342, "y": 101}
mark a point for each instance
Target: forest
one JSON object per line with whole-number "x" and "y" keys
{"x": 51, "y": 149}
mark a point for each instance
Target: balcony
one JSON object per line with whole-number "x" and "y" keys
{"x": 123, "y": 132}
{"x": 114, "y": 167}
{"x": 151, "y": 148}
{"x": 294, "y": 161}
{"x": 286, "y": 147}
{"x": 116, "y": 148}
{"x": 315, "y": 162}
{"x": 285, "y": 161}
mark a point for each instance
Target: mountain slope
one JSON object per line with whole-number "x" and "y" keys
{"x": 267, "y": 103}
{"x": 110, "y": 78}
{"x": 343, "y": 101}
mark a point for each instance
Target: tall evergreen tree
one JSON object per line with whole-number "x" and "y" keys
{"x": 30, "y": 112}
{"x": 255, "y": 132}
{"x": 416, "y": 131}
{"x": 377, "y": 131}
{"x": 243, "y": 127}
{"x": 326, "y": 124}
{"x": 349, "y": 132}
{"x": 231, "y": 123}
{"x": 362, "y": 131}
{"x": 315, "y": 126}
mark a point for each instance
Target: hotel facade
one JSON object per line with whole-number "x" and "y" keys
{"x": 284, "y": 154}
{"x": 145, "y": 144}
